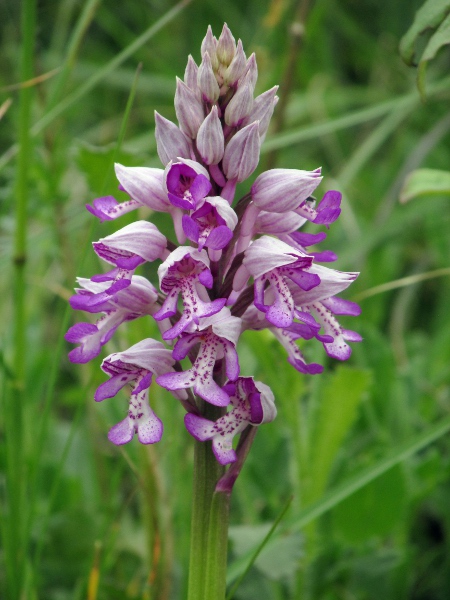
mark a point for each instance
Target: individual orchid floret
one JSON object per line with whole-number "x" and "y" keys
{"x": 171, "y": 142}
{"x": 217, "y": 336}
{"x": 236, "y": 67}
{"x": 190, "y": 76}
{"x": 186, "y": 272}
{"x": 128, "y": 248}
{"x": 226, "y": 46}
{"x": 242, "y": 153}
{"x": 270, "y": 261}
{"x": 327, "y": 211}
{"x": 139, "y": 363}
{"x": 251, "y": 71}
{"x": 209, "y": 45}
{"x": 187, "y": 182}
{"x": 139, "y": 297}
{"x": 135, "y": 301}
{"x": 253, "y": 404}
{"x": 189, "y": 109}
{"x": 338, "y": 348}
{"x": 206, "y": 80}
{"x": 240, "y": 105}
{"x": 212, "y": 224}
{"x": 143, "y": 185}
{"x": 281, "y": 190}
{"x": 262, "y": 111}
{"x": 210, "y": 140}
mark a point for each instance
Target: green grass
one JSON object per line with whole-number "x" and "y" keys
{"x": 362, "y": 450}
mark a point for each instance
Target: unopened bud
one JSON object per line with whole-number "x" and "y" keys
{"x": 242, "y": 153}
{"x": 206, "y": 80}
{"x": 189, "y": 109}
{"x": 237, "y": 66}
{"x": 190, "y": 76}
{"x": 240, "y": 105}
{"x": 226, "y": 46}
{"x": 281, "y": 190}
{"x": 263, "y": 107}
{"x": 209, "y": 45}
{"x": 210, "y": 142}
{"x": 170, "y": 140}
{"x": 250, "y": 72}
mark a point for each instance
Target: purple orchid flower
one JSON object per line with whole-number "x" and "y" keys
{"x": 186, "y": 272}
{"x": 212, "y": 224}
{"x": 272, "y": 261}
{"x": 253, "y": 404}
{"x": 137, "y": 364}
{"x": 127, "y": 249}
{"x": 217, "y": 336}
{"x": 137, "y": 300}
{"x": 187, "y": 183}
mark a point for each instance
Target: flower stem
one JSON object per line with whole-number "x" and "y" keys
{"x": 209, "y": 524}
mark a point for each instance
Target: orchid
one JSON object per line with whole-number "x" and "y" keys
{"x": 274, "y": 282}
{"x": 238, "y": 265}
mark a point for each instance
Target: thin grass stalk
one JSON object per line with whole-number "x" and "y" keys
{"x": 15, "y": 551}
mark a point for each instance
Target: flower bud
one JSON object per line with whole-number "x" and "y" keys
{"x": 190, "y": 76}
{"x": 210, "y": 142}
{"x": 170, "y": 140}
{"x": 226, "y": 46}
{"x": 209, "y": 45}
{"x": 250, "y": 71}
{"x": 236, "y": 67}
{"x": 242, "y": 153}
{"x": 206, "y": 80}
{"x": 240, "y": 105}
{"x": 281, "y": 190}
{"x": 263, "y": 107}
{"x": 189, "y": 109}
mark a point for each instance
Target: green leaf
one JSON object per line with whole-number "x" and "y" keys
{"x": 374, "y": 510}
{"x": 425, "y": 182}
{"x": 429, "y": 16}
{"x": 440, "y": 38}
{"x": 337, "y": 413}
{"x": 95, "y": 162}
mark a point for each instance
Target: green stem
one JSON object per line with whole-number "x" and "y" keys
{"x": 209, "y": 523}
{"x": 13, "y": 516}
{"x": 216, "y": 559}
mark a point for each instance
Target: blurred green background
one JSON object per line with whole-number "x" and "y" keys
{"x": 363, "y": 449}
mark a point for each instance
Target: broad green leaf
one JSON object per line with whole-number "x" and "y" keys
{"x": 423, "y": 182}
{"x": 429, "y": 16}
{"x": 337, "y": 413}
{"x": 440, "y": 38}
{"x": 374, "y": 510}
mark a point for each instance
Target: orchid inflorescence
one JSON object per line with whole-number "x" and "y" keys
{"x": 234, "y": 269}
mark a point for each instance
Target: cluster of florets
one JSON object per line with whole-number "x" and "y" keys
{"x": 233, "y": 269}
